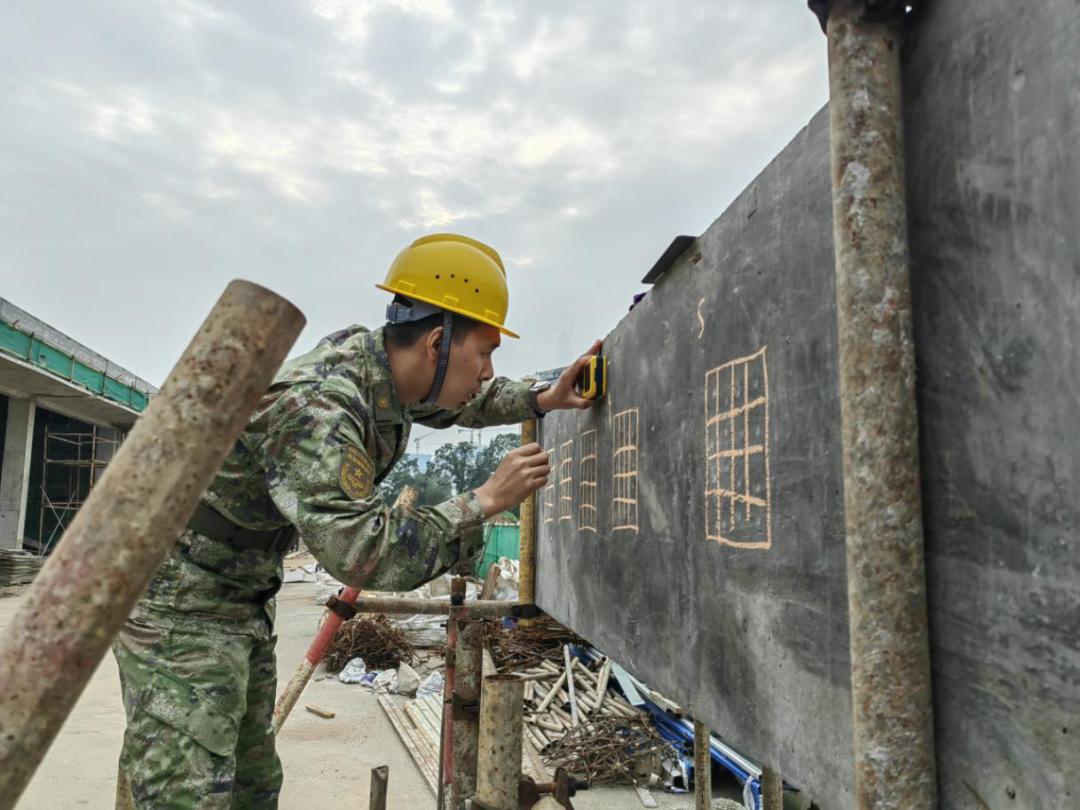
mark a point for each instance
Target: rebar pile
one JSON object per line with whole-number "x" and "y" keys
{"x": 373, "y": 638}
{"x": 525, "y": 646}
{"x": 573, "y": 720}
{"x": 610, "y": 749}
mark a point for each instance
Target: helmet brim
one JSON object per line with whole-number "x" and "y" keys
{"x": 456, "y": 310}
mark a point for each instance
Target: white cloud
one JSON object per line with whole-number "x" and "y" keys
{"x": 192, "y": 13}
{"x": 132, "y": 116}
{"x": 167, "y": 205}
{"x": 352, "y": 18}
{"x": 429, "y": 212}
{"x": 114, "y": 115}
{"x": 270, "y": 149}
{"x": 550, "y": 43}
{"x": 297, "y": 146}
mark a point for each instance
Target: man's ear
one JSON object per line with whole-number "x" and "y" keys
{"x": 432, "y": 344}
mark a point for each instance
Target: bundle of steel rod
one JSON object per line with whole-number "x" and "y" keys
{"x": 525, "y": 646}
{"x": 373, "y": 638}
{"x": 610, "y": 749}
{"x": 568, "y": 707}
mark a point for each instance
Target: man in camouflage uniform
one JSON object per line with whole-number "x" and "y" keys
{"x": 196, "y": 657}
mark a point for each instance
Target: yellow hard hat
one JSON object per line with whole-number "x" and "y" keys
{"x": 454, "y": 273}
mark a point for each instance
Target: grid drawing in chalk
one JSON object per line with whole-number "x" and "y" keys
{"x": 625, "y": 474}
{"x": 587, "y": 481}
{"x": 738, "y": 488}
{"x": 566, "y": 480}
{"x": 549, "y": 492}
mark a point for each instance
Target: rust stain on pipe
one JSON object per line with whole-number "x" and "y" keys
{"x": 527, "y": 553}
{"x": 409, "y": 606}
{"x": 132, "y": 519}
{"x": 702, "y": 767}
{"x": 890, "y": 666}
{"x": 498, "y": 775}
{"x": 468, "y": 667}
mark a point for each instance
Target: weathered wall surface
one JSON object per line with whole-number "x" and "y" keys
{"x": 697, "y": 534}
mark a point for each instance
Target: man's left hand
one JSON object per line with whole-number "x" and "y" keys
{"x": 563, "y": 394}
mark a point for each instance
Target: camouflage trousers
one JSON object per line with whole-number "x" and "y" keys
{"x": 199, "y": 708}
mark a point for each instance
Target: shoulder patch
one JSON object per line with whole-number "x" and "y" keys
{"x": 357, "y": 474}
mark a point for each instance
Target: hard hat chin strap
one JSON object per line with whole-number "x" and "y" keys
{"x": 444, "y": 358}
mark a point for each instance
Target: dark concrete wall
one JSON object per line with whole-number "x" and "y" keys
{"x": 736, "y": 606}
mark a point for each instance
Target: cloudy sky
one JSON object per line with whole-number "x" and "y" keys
{"x": 153, "y": 150}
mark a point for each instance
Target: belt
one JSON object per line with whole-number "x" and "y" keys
{"x": 211, "y": 523}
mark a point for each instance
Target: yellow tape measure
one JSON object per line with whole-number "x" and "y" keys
{"x": 592, "y": 384}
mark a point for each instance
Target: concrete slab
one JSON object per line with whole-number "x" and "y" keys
{"x": 694, "y": 525}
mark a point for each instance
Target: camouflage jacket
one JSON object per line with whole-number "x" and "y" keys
{"x": 327, "y": 431}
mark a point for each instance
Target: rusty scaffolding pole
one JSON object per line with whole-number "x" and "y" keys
{"x": 498, "y": 778}
{"x": 527, "y": 569}
{"x": 132, "y": 519}
{"x": 890, "y": 661}
{"x": 466, "y": 708}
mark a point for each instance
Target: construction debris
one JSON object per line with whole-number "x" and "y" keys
{"x": 419, "y": 745}
{"x": 611, "y": 749}
{"x": 573, "y": 720}
{"x": 355, "y": 672}
{"x": 18, "y": 567}
{"x": 373, "y": 638}
{"x": 526, "y": 646}
{"x": 323, "y": 713}
{"x": 425, "y": 714}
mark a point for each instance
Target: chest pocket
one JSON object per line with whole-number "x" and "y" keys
{"x": 392, "y": 441}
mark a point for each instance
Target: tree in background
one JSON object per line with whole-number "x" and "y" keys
{"x": 455, "y": 462}
{"x": 487, "y": 460}
{"x": 454, "y": 468}
{"x": 466, "y": 467}
{"x": 430, "y": 486}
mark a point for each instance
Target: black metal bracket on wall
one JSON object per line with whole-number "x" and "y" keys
{"x": 881, "y": 11}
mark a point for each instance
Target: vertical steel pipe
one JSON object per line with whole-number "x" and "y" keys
{"x": 132, "y": 519}
{"x": 772, "y": 790}
{"x": 702, "y": 767}
{"x": 466, "y": 709}
{"x": 890, "y": 666}
{"x": 377, "y": 795}
{"x": 527, "y": 566}
{"x": 446, "y": 735}
{"x": 498, "y": 775}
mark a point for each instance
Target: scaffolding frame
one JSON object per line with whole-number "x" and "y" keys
{"x": 81, "y": 456}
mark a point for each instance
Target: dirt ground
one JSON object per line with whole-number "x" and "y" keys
{"x": 327, "y": 762}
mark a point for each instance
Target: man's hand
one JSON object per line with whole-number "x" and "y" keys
{"x": 523, "y": 471}
{"x": 563, "y": 394}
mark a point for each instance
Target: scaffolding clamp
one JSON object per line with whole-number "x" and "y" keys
{"x": 524, "y": 612}
{"x": 342, "y": 608}
{"x": 464, "y": 709}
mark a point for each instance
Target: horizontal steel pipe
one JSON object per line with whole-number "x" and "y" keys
{"x": 430, "y": 607}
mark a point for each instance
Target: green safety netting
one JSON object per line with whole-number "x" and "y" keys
{"x": 32, "y": 350}
{"x": 500, "y": 540}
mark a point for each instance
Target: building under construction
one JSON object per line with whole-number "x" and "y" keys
{"x": 64, "y": 410}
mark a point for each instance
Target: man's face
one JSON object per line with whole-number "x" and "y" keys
{"x": 470, "y": 366}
